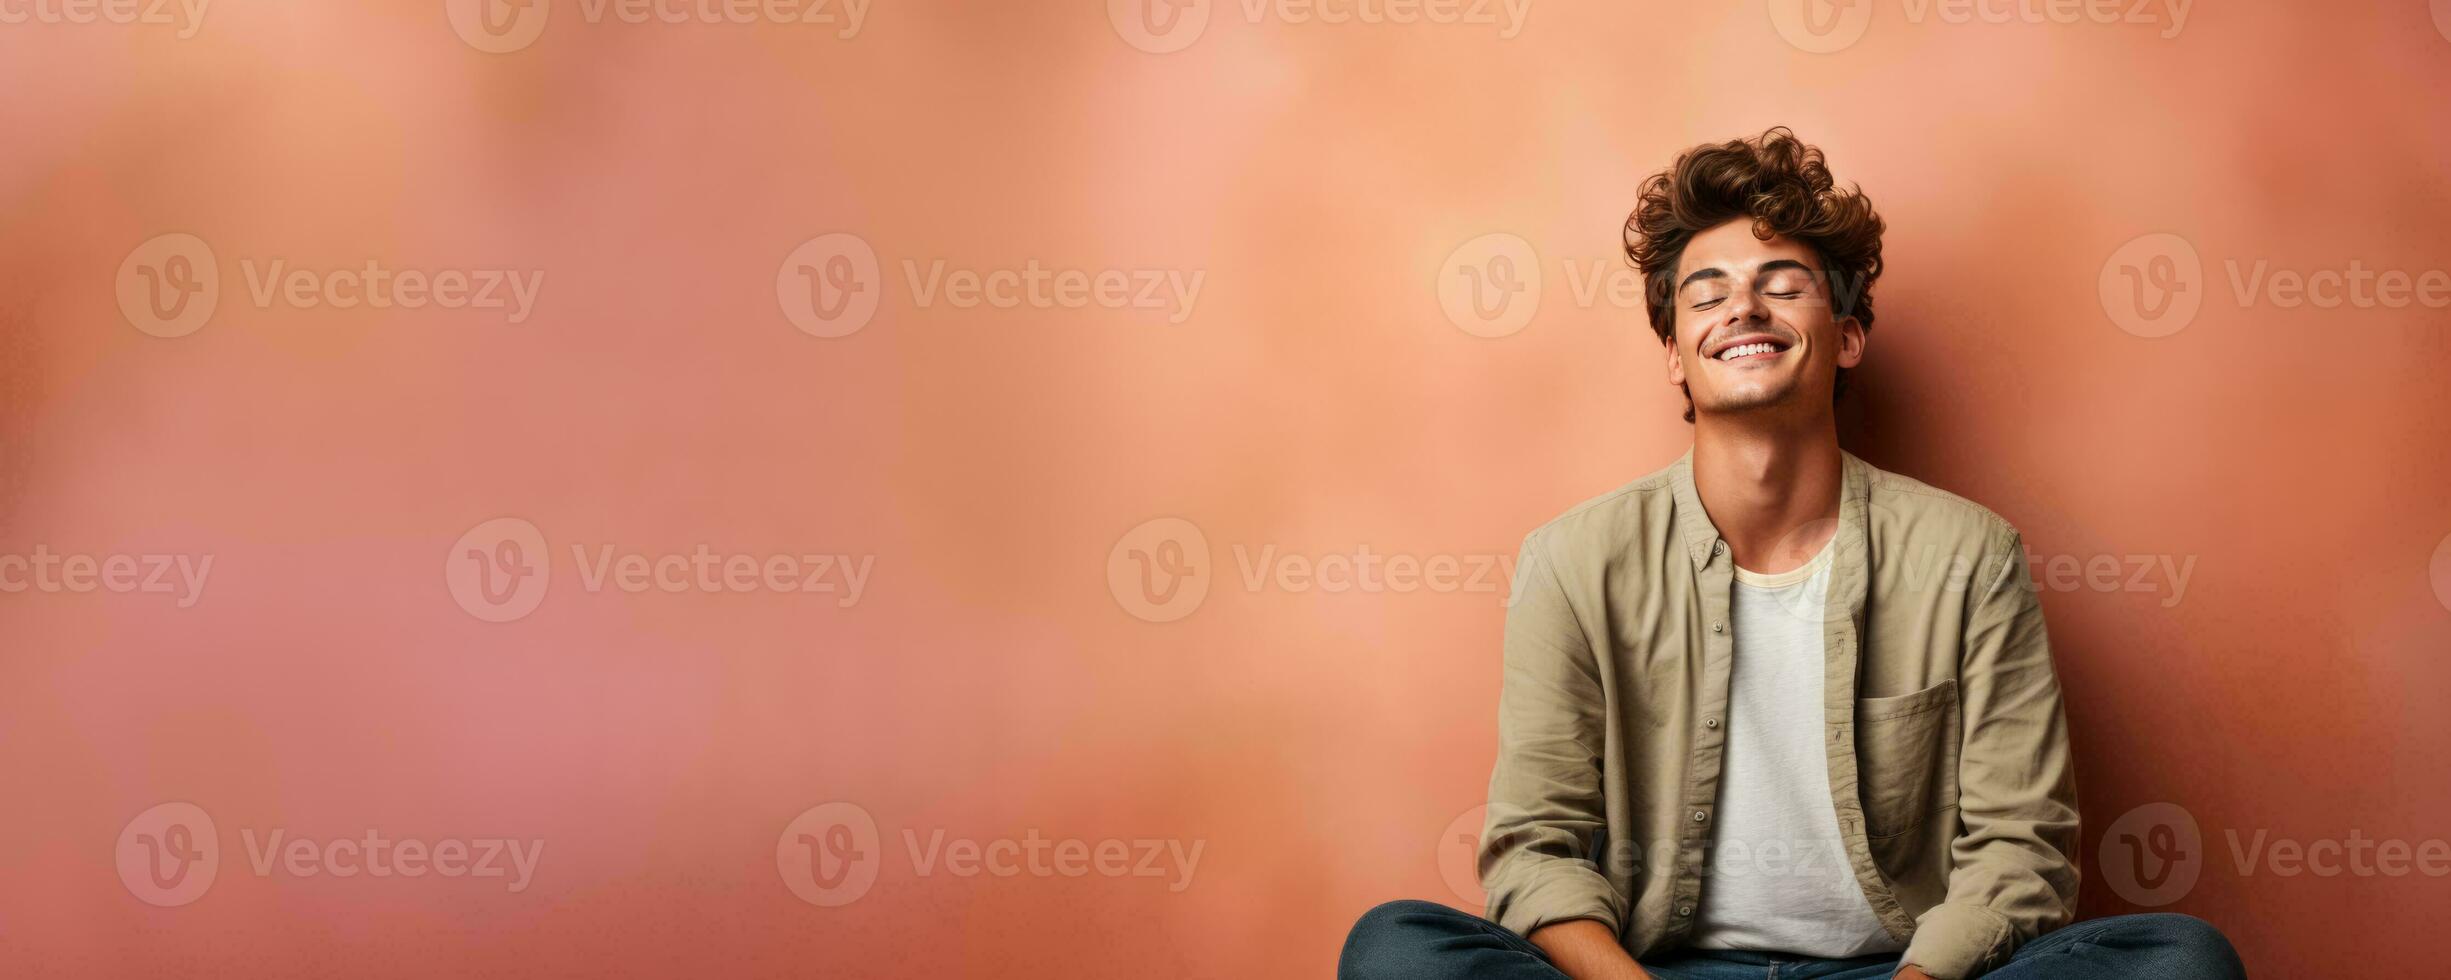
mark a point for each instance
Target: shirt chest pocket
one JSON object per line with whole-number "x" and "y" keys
{"x": 1906, "y": 752}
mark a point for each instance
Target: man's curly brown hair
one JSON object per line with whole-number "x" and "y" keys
{"x": 1785, "y": 187}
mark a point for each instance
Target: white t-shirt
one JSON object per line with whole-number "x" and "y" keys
{"x": 1776, "y": 878}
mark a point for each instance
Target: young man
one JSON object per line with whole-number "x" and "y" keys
{"x": 1772, "y": 712}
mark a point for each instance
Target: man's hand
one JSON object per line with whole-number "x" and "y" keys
{"x": 1586, "y": 950}
{"x": 1912, "y": 972}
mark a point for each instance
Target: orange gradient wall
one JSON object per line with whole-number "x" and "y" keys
{"x": 917, "y": 317}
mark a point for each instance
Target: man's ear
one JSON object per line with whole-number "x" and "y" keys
{"x": 1851, "y": 340}
{"x": 1676, "y": 363}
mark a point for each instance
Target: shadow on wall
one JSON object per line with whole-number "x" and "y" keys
{"x": 2110, "y": 605}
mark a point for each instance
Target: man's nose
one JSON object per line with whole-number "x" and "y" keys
{"x": 1743, "y": 307}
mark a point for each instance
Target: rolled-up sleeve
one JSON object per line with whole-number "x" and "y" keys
{"x": 1545, "y": 812}
{"x": 2013, "y": 870}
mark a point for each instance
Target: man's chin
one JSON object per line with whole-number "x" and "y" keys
{"x": 1753, "y": 403}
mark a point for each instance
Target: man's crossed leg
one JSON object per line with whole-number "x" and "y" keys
{"x": 1426, "y": 941}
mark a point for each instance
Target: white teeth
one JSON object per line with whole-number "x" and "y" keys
{"x": 1746, "y": 350}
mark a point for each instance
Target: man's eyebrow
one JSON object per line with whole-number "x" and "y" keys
{"x": 1774, "y": 265}
{"x": 1699, "y": 275}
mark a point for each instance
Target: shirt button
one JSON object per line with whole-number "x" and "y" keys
{"x": 1718, "y": 627}
{"x": 1684, "y": 910}
{"x": 1712, "y": 723}
{"x": 1699, "y": 816}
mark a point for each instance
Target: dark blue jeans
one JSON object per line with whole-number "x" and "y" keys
{"x": 1428, "y": 941}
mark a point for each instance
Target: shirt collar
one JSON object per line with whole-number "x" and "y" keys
{"x": 1702, "y": 540}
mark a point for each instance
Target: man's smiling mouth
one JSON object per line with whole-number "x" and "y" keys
{"x": 1752, "y": 348}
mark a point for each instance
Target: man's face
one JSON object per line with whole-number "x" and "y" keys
{"x": 1754, "y": 326}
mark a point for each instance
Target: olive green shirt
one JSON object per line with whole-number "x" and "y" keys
{"x": 1948, "y": 749}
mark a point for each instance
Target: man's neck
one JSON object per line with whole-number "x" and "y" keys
{"x": 1772, "y": 490}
